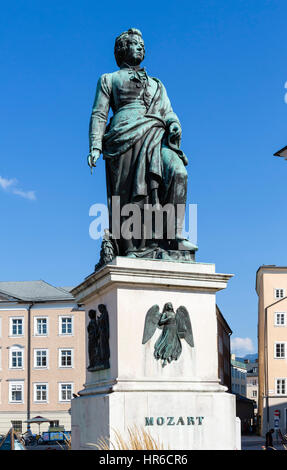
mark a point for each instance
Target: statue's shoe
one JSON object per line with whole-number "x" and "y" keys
{"x": 183, "y": 244}
{"x": 131, "y": 254}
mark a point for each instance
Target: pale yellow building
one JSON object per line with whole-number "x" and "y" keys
{"x": 271, "y": 287}
{"x": 42, "y": 353}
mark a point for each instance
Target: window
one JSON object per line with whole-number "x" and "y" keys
{"x": 55, "y": 423}
{"x": 66, "y": 358}
{"x": 40, "y": 358}
{"x": 280, "y": 386}
{"x": 17, "y": 425}
{"x": 280, "y": 319}
{"x": 65, "y": 391}
{"x": 41, "y": 326}
{"x": 254, "y": 393}
{"x": 16, "y": 392}
{"x": 16, "y": 326}
{"x": 66, "y": 325}
{"x": 279, "y": 350}
{"x": 16, "y": 357}
{"x": 279, "y": 293}
{"x": 41, "y": 392}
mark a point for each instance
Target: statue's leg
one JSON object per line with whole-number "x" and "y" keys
{"x": 174, "y": 177}
{"x": 173, "y": 191}
{"x": 174, "y": 185}
{"x": 120, "y": 177}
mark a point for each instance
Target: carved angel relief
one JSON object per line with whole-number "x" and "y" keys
{"x": 98, "y": 339}
{"x": 174, "y": 326}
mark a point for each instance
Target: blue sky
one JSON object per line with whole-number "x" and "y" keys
{"x": 224, "y": 66}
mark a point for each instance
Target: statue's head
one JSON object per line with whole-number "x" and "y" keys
{"x": 168, "y": 307}
{"x": 102, "y": 308}
{"x": 92, "y": 314}
{"x": 129, "y": 47}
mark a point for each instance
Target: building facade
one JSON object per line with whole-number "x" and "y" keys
{"x": 42, "y": 354}
{"x": 271, "y": 288}
{"x": 223, "y": 339}
{"x": 252, "y": 381}
{"x": 238, "y": 376}
{"x": 246, "y": 405}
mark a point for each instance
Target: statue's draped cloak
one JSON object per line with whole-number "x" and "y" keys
{"x": 131, "y": 143}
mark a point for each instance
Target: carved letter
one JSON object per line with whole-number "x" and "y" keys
{"x": 170, "y": 421}
{"x": 148, "y": 421}
{"x": 180, "y": 421}
{"x": 160, "y": 421}
{"x": 200, "y": 418}
{"x": 190, "y": 420}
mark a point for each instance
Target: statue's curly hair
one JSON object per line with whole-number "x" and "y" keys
{"x": 121, "y": 44}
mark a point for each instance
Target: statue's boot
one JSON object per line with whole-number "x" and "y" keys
{"x": 182, "y": 244}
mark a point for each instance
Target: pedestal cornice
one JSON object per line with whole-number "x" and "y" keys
{"x": 127, "y": 271}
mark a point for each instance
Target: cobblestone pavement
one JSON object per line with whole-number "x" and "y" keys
{"x": 256, "y": 443}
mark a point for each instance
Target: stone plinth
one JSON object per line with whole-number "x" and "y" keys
{"x": 181, "y": 404}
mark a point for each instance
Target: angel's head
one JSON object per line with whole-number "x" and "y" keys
{"x": 102, "y": 308}
{"x": 92, "y": 314}
{"x": 168, "y": 307}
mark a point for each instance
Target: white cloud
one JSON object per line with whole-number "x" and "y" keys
{"x": 242, "y": 345}
{"x": 11, "y": 185}
{"x": 5, "y": 184}
{"x": 26, "y": 194}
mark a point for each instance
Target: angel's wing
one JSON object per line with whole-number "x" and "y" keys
{"x": 151, "y": 323}
{"x": 184, "y": 326}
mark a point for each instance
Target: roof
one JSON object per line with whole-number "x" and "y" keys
{"x": 244, "y": 399}
{"x": 223, "y": 321}
{"x": 238, "y": 364}
{"x": 32, "y": 291}
{"x": 267, "y": 267}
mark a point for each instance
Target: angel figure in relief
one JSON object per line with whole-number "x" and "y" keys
{"x": 174, "y": 326}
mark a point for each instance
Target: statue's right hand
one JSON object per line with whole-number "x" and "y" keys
{"x": 93, "y": 156}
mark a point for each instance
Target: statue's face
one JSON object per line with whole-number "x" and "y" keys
{"x": 135, "y": 50}
{"x": 168, "y": 307}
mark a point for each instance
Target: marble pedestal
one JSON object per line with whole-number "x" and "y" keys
{"x": 182, "y": 404}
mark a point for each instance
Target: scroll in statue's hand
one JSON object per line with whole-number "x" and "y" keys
{"x": 174, "y": 131}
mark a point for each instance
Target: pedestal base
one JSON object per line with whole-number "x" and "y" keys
{"x": 181, "y": 404}
{"x": 177, "y": 420}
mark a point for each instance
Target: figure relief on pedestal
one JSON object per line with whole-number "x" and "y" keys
{"x": 174, "y": 326}
{"x": 145, "y": 167}
{"x": 98, "y": 339}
